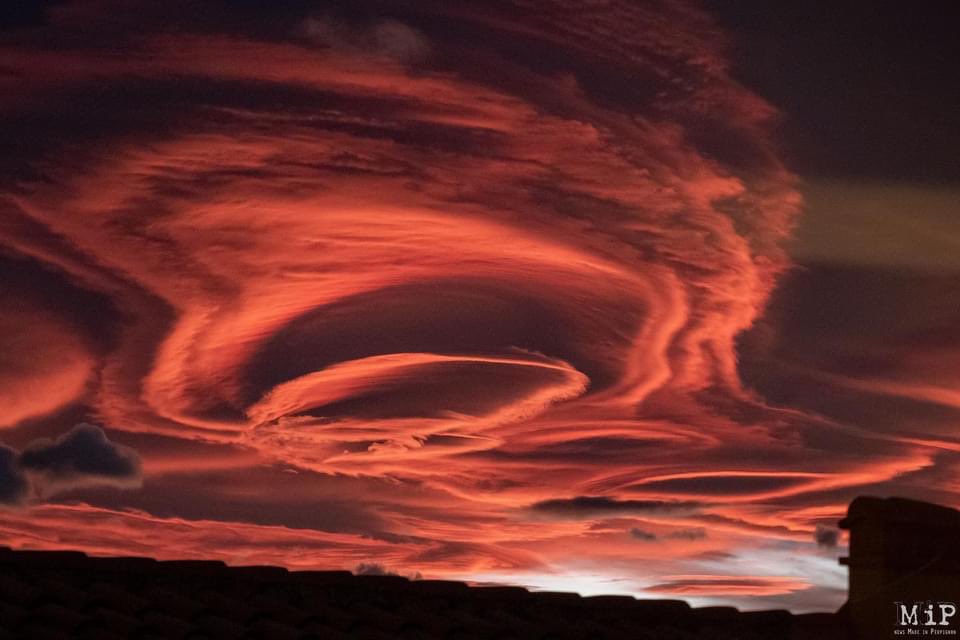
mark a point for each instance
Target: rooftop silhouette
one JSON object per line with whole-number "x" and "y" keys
{"x": 901, "y": 550}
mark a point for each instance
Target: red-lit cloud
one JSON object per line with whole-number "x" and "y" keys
{"x": 397, "y": 293}
{"x": 728, "y": 585}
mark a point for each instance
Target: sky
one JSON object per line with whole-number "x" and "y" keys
{"x": 604, "y": 296}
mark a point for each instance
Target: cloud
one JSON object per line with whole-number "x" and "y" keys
{"x": 45, "y": 363}
{"x": 373, "y": 569}
{"x": 377, "y": 569}
{"x": 720, "y": 585}
{"x": 826, "y": 537}
{"x": 81, "y": 457}
{"x": 714, "y": 555}
{"x": 698, "y": 533}
{"x": 714, "y": 484}
{"x": 389, "y": 38}
{"x": 592, "y": 506}
{"x": 14, "y": 485}
{"x": 640, "y": 534}
{"x": 447, "y": 265}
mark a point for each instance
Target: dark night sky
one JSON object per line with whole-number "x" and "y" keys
{"x": 868, "y": 88}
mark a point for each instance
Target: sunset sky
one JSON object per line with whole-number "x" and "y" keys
{"x": 597, "y": 295}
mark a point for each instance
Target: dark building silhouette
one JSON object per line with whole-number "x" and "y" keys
{"x": 901, "y": 551}
{"x": 66, "y": 594}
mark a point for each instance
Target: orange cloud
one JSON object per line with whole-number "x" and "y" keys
{"x": 458, "y": 305}
{"x": 707, "y": 585}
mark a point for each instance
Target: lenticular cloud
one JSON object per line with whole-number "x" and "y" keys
{"x": 409, "y": 231}
{"x": 502, "y": 260}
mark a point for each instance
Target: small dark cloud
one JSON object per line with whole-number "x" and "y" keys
{"x": 377, "y": 569}
{"x": 590, "y": 506}
{"x": 679, "y": 534}
{"x": 826, "y": 537}
{"x": 373, "y": 569}
{"x": 83, "y": 456}
{"x": 640, "y": 534}
{"x": 13, "y": 484}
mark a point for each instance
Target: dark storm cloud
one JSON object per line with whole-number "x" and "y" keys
{"x": 592, "y": 506}
{"x": 81, "y": 457}
{"x": 13, "y": 483}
